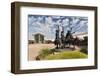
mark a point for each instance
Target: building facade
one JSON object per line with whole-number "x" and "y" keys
{"x": 80, "y": 35}
{"x": 38, "y": 38}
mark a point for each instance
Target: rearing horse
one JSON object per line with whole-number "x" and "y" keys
{"x": 68, "y": 38}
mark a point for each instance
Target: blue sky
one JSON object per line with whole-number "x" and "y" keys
{"x": 47, "y": 24}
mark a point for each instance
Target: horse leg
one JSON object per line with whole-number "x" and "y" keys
{"x": 74, "y": 45}
{"x": 69, "y": 44}
{"x": 62, "y": 45}
{"x": 57, "y": 46}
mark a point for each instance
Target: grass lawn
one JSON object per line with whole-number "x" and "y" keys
{"x": 66, "y": 55}
{"x": 46, "y": 55}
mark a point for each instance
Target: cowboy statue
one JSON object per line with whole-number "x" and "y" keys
{"x": 69, "y": 38}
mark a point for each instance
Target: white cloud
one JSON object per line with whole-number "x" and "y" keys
{"x": 75, "y": 20}
{"x": 65, "y": 22}
{"x": 48, "y": 21}
{"x": 56, "y": 17}
{"x": 83, "y": 23}
{"x": 40, "y": 18}
{"x": 48, "y": 26}
{"x": 58, "y": 22}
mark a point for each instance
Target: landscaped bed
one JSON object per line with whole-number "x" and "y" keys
{"x": 46, "y": 54}
{"x": 66, "y": 55}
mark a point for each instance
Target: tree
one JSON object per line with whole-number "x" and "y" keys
{"x": 77, "y": 25}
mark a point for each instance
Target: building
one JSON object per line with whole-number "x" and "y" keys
{"x": 38, "y": 38}
{"x": 30, "y": 41}
{"x": 81, "y": 35}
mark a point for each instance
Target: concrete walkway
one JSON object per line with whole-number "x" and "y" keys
{"x": 34, "y": 49}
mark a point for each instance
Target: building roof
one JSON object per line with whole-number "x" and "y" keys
{"x": 38, "y": 34}
{"x": 79, "y": 34}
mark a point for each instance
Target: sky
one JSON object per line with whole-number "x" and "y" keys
{"x": 47, "y": 24}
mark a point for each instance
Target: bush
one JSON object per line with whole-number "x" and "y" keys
{"x": 84, "y": 50}
{"x": 44, "y": 53}
{"x": 66, "y": 55}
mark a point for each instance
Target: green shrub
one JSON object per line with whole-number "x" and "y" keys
{"x": 44, "y": 53}
{"x": 84, "y": 50}
{"x": 66, "y": 55}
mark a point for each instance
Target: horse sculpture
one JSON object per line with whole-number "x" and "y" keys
{"x": 57, "y": 39}
{"x": 65, "y": 41}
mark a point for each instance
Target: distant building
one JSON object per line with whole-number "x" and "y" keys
{"x": 38, "y": 38}
{"x": 31, "y": 41}
{"x": 81, "y": 35}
